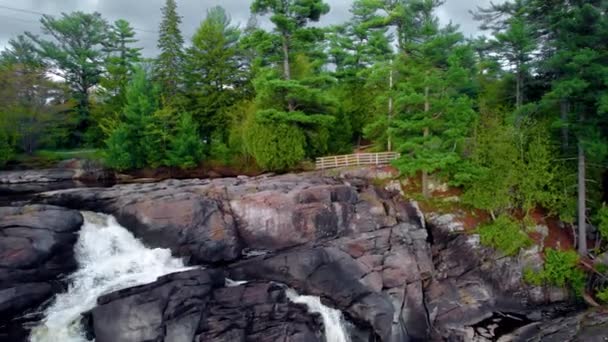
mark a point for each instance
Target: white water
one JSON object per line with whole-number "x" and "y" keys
{"x": 332, "y": 318}
{"x": 109, "y": 258}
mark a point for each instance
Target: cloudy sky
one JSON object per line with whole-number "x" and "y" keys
{"x": 19, "y": 16}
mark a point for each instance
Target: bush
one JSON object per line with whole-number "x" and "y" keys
{"x": 560, "y": 269}
{"x": 275, "y": 146}
{"x": 505, "y": 235}
{"x": 602, "y": 295}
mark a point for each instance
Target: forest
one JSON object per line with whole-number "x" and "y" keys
{"x": 517, "y": 118}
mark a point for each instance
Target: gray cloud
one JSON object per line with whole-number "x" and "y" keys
{"x": 145, "y": 14}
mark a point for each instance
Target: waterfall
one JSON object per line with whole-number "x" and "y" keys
{"x": 332, "y": 318}
{"x": 109, "y": 258}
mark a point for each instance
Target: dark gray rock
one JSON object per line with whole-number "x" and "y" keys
{"x": 590, "y": 326}
{"x": 195, "y": 306}
{"x": 36, "y": 249}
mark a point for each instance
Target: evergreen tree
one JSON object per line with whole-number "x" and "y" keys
{"x": 75, "y": 53}
{"x": 213, "y": 74}
{"x": 580, "y": 59}
{"x": 131, "y": 143}
{"x": 294, "y": 101}
{"x": 186, "y": 149}
{"x": 170, "y": 43}
{"x": 515, "y": 39}
{"x": 120, "y": 62}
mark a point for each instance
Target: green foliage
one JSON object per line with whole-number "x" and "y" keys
{"x": 275, "y": 146}
{"x": 213, "y": 73}
{"x": 602, "y": 220}
{"x": 76, "y": 48}
{"x": 132, "y": 142}
{"x": 560, "y": 269}
{"x": 602, "y": 295}
{"x": 6, "y": 148}
{"x": 186, "y": 149}
{"x": 505, "y": 235}
{"x": 169, "y": 64}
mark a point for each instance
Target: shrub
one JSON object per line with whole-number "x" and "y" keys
{"x": 505, "y": 235}
{"x": 276, "y": 146}
{"x": 560, "y": 269}
{"x": 602, "y": 295}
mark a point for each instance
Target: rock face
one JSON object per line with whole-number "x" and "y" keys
{"x": 362, "y": 249}
{"x": 36, "y": 247}
{"x": 472, "y": 282}
{"x": 196, "y": 306}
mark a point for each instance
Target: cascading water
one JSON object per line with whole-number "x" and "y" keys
{"x": 332, "y": 318}
{"x": 110, "y": 258}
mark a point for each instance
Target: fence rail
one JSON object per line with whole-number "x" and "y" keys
{"x": 357, "y": 159}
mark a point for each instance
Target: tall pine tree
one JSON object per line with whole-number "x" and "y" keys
{"x": 168, "y": 68}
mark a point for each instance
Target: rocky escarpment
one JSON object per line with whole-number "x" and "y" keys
{"x": 363, "y": 249}
{"x": 472, "y": 282}
{"x": 36, "y": 248}
{"x": 196, "y": 306}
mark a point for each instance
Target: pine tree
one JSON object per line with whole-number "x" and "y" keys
{"x": 579, "y": 60}
{"x": 433, "y": 115}
{"x": 120, "y": 62}
{"x": 170, "y": 43}
{"x": 76, "y": 49}
{"x": 294, "y": 100}
{"x": 515, "y": 39}
{"x": 213, "y": 74}
{"x": 186, "y": 148}
{"x": 131, "y": 144}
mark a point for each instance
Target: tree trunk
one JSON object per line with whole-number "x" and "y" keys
{"x": 582, "y": 209}
{"x": 519, "y": 89}
{"x": 287, "y": 69}
{"x": 425, "y": 176}
{"x": 564, "y": 109}
{"x": 390, "y": 107}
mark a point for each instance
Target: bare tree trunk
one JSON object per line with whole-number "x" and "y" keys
{"x": 519, "y": 89}
{"x": 564, "y": 109}
{"x": 287, "y": 69}
{"x": 582, "y": 209}
{"x": 425, "y": 176}
{"x": 390, "y": 106}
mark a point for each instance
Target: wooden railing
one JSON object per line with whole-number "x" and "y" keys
{"x": 358, "y": 159}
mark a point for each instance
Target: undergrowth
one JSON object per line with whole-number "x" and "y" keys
{"x": 560, "y": 269}
{"x": 505, "y": 235}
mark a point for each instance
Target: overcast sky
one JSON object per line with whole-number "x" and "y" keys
{"x": 19, "y": 16}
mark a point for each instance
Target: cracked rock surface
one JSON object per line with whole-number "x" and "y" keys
{"x": 362, "y": 249}
{"x": 36, "y": 248}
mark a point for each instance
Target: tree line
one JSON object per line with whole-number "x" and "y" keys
{"x": 516, "y": 117}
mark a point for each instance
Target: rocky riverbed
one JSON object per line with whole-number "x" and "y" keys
{"x": 395, "y": 273}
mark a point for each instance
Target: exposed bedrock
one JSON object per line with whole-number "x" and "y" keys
{"x": 362, "y": 249}
{"x": 36, "y": 248}
{"x": 196, "y": 306}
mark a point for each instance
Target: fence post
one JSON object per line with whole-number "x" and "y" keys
{"x": 376, "y": 158}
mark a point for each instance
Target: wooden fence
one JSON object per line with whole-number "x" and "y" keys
{"x": 358, "y": 159}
